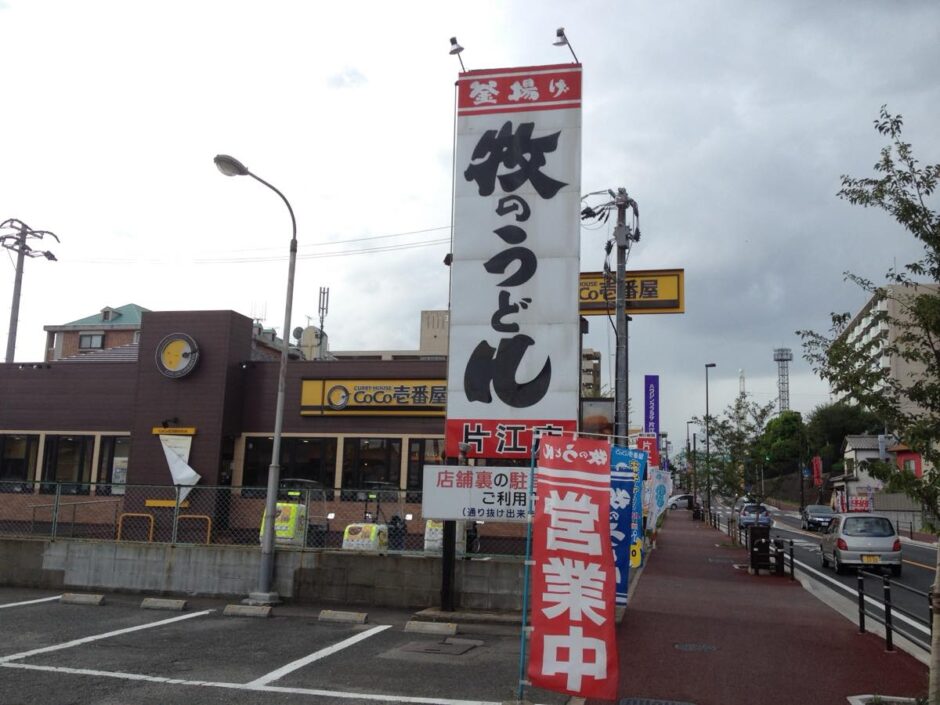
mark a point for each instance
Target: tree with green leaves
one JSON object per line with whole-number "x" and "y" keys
{"x": 829, "y": 424}
{"x": 737, "y": 455}
{"x": 909, "y": 405}
{"x": 784, "y": 444}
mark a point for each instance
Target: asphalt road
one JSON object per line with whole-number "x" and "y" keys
{"x": 118, "y": 653}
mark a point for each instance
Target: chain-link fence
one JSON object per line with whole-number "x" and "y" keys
{"x": 309, "y": 517}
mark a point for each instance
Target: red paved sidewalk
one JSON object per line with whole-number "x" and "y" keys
{"x": 699, "y": 630}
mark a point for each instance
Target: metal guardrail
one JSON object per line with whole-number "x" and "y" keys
{"x": 888, "y": 609}
{"x": 910, "y": 527}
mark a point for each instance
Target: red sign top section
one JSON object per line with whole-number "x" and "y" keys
{"x": 553, "y": 87}
{"x": 582, "y": 462}
{"x": 651, "y": 446}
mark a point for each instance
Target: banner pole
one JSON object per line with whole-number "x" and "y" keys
{"x": 525, "y": 580}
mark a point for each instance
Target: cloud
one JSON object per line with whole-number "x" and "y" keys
{"x": 348, "y": 78}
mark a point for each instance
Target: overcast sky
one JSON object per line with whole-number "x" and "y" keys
{"x": 729, "y": 122}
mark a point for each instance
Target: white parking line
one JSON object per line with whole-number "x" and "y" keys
{"x": 316, "y": 692}
{"x": 316, "y": 656}
{"x": 31, "y": 602}
{"x": 97, "y": 637}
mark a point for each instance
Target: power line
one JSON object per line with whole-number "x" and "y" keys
{"x": 277, "y": 258}
{"x": 323, "y": 255}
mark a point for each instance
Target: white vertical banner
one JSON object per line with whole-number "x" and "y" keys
{"x": 176, "y": 449}
{"x": 513, "y": 367}
{"x": 659, "y": 493}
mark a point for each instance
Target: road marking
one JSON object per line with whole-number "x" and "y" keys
{"x": 854, "y": 593}
{"x": 811, "y": 545}
{"x": 97, "y": 637}
{"x": 316, "y": 656}
{"x": 31, "y": 602}
{"x": 242, "y": 686}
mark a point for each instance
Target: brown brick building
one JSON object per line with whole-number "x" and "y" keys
{"x": 94, "y": 420}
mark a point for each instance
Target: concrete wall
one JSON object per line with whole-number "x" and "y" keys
{"x": 395, "y": 580}
{"x": 411, "y": 581}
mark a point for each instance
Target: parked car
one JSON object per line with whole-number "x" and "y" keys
{"x": 738, "y": 505}
{"x": 815, "y": 517}
{"x": 861, "y": 539}
{"x": 754, "y": 514}
{"x": 677, "y": 500}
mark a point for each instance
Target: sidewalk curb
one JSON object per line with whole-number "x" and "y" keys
{"x": 917, "y": 542}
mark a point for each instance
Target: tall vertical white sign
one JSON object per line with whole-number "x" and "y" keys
{"x": 513, "y": 370}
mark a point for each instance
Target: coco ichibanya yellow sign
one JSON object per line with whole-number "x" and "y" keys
{"x": 647, "y": 291}
{"x": 373, "y": 397}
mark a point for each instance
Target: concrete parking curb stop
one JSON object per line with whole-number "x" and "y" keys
{"x": 247, "y": 611}
{"x": 435, "y": 614}
{"x": 440, "y": 628}
{"x": 74, "y": 598}
{"x": 157, "y": 603}
{"x": 339, "y": 616}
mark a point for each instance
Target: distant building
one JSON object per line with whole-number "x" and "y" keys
{"x": 432, "y": 341}
{"x": 113, "y": 335}
{"x": 109, "y": 328}
{"x": 855, "y": 487}
{"x": 590, "y": 373}
{"x": 867, "y": 328}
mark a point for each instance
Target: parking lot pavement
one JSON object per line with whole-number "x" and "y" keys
{"x": 119, "y": 653}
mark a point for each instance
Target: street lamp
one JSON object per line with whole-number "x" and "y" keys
{"x": 17, "y": 243}
{"x": 708, "y": 466}
{"x": 265, "y": 593}
{"x": 456, "y": 50}
{"x": 561, "y": 40}
{"x": 689, "y": 466}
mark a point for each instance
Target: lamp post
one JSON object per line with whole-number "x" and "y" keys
{"x": 17, "y": 243}
{"x": 265, "y": 593}
{"x": 708, "y": 466}
{"x": 690, "y": 468}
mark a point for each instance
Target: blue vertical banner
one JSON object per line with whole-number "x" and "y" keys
{"x": 637, "y": 461}
{"x": 651, "y": 404}
{"x": 622, "y": 475}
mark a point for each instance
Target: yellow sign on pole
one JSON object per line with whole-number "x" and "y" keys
{"x": 647, "y": 291}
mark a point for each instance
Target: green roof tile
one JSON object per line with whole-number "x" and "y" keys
{"x": 127, "y": 315}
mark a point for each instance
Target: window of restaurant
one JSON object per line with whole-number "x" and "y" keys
{"x": 301, "y": 458}
{"x": 17, "y": 461}
{"x": 371, "y": 463}
{"x": 112, "y": 464}
{"x": 67, "y": 460}
{"x": 422, "y": 451}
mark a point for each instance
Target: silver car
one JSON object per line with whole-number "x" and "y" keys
{"x": 862, "y": 540}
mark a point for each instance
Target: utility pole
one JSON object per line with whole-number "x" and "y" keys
{"x": 324, "y": 307}
{"x": 694, "y": 471}
{"x": 623, "y": 236}
{"x": 17, "y": 243}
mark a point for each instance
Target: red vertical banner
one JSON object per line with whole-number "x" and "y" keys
{"x": 817, "y": 471}
{"x": 573, "y": 644}
{"x": 651, "y": 445}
